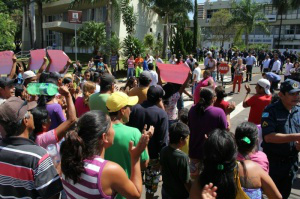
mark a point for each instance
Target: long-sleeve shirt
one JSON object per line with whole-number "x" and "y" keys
{"x": 250, "y": 60}
{"x": 276, "y": 66}
{"x": 266, "y": 63}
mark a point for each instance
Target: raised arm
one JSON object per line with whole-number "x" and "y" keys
{"x": 13, "y": 68}
{"x": 42, "y": 68}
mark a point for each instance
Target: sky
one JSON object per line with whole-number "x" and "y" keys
{"x": 191, "y": 15}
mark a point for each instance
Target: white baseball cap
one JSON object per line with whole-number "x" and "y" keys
{"x": 265, "y": 84}
{"x": 28, "y": 74}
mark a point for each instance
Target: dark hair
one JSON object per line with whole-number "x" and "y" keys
{"x": 67, "y": 80}
{"x": 183, "y": 115}
{"x": 220, "y": 92}
{"x": 246, "y": 137}
{"x": 19, "y": 88}
{"x": 87, "y": 71}
{"x": 178, "y": 131}
{"x": 170, "y": 89}
{"x": 219, "y": 163}
{"x": 40, "y": 117}
{"x": 83, "y": 144}
{"x": 130, "y": 82}
{"x": 44, "y": 76}
{"x": 275, "y": 98}
{"x": 145, "y": 82}
{"x": 150, "y": 66}
{"x": 96, "y": 77}
{"x": 206, "y": 97}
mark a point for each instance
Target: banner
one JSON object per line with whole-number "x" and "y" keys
{"x": 37, "y": 58}
{"x": 6, "y": 61}
{"x": 173, "y": 73}
{"x": 59, "y": 60}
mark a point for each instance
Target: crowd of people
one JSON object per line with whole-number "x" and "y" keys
{"x": 81, "y": 135}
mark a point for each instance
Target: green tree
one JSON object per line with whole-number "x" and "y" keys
{"x": 149, "y": 41}
{"x": 195, "y": 35}
{"x": 91, "y": 34}
{"x": 112, "y": 45}
{"x": 168, "y": 8}
{"x": 246, "y": 16}
{"x": 219, "y": 29}
{"x": 282, "y": 7}
{"x": 132, "y": 46}
{"x": 128, "y": 16}
{"x": 7, "y": 32}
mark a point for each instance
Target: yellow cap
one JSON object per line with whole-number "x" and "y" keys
{"x": 118, "y": 100}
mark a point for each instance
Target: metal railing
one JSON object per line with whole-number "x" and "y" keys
{"x": 23, "y": 55}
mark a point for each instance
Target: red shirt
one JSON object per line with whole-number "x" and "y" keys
{"x": 257, "y": 105}
{"x": 221, "y": 104}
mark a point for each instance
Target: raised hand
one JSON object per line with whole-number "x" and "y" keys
{"x": 135, "y": 151}
{"x": 209, "y": 191}
{"x": 247, "y": 87}
{"x": 150, "y": 131}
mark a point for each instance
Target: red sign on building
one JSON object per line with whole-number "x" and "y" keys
{"x": 75, "y": 16}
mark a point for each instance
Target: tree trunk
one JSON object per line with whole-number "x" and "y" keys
{"x": 40, "y": 11}
{"x": 195, "y": 27}
{"x": 33, "y": 26}
{"x": 246, "y": 38}
{"x": 166, "y": 36}
{"x": 279, "y": 35}
{"x": 29, "y": 23}
{"x": 108, "y": 27}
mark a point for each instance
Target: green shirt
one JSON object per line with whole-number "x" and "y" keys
{"x": 118, "y": 152}
{"x": 138, "y": 71}
{"x": 97, "y": 101}
{"x": 175, "y": 172}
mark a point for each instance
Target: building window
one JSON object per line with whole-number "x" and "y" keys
{"x": 150, "y": 29}
{"x": 297, "y": 29}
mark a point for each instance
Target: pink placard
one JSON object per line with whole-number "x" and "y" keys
{"x": 173, "y": 73}
{"x": 6, "y": 61}
{"x": 37, "y": 58}
{"x": 59, "y": 60}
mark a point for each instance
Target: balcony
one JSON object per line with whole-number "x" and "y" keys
{"x": 61, "y": 26}
{"x": 271, "y": 18}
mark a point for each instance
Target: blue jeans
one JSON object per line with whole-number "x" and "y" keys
{"x": 130, "y": 72}
{"x": 214, "y": 75}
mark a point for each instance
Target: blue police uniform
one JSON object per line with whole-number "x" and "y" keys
{"x": 283, "y": 158}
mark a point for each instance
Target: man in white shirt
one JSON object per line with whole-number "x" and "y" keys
{"x": 196, "y": 76}
{"x": 288, "y": 67}
{"x": 250, "y": 61}
{"x": 266, "y": 64}
{"x": 276, "y": 65}
{"x": 150, "y": 59}
{"x": 208, "y": 55}
{"x": 153, "y": 74}
{"x": 158, "y": 60}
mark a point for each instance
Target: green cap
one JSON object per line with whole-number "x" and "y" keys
{"x": 42, "y": 89}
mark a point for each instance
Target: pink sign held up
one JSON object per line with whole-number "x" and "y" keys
{"x": 59, "y": 60}
{"x": 6, "y": 61}
{"x": 173, "y": 73}
{"x": 37, "y": 58}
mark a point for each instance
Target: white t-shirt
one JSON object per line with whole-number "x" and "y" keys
{"x": 288, "y": 68}
{"x": 266, "y": 63}
{"x": 154, "y": 77}
{"x": 197, "y": 73}
{"x": 276, "y": 66}
{"x": 159, "y": 60}
{"x": 150, "y": 59}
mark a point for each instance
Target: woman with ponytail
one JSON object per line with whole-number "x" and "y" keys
{"x": 203, "y": 118}
{"x": 82, "y": 103}
{"x": 85, "y": 172}
{"x": 235, "y": 180}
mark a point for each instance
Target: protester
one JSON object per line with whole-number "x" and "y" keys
{"x": 212, "y": 67}
{"x": 175, "y": 164}
{"x": 7, "y": 88}
{"x": 22, "y": 161}
{"x": 196, "y": 76}
{"x": 274, "y": 80}
{"x": 130, "y": 70}
{"x": 265, "y": 64}
{"x": 148, "y": 113}
{"x": 139, "y": 70}
{"x": 280, "y": 127}
{"x": 145, "y": 64}
{"x": 246, "y": 138}
{"x": 154, "y": 75}
{"x": 138, "y": 61}
{"x": 82, "y": 103}
{"x": 203, "y": 118}
{"x": 30, "y": 76}
{"x": 114, "y": 61}
{"x": 158, "y": 59}
{"x": 234, "y": 61}
{"x": 144, "y": 83}
{"x": 207, "y": 81}
{"x": 119, "y": 105}
{"x": 83, "y": 163}
{"x": 288, "y": 67}
{"x": 239, "y": 69}
{"x": 259, "y": 101}
{"x": 97, "y": 101}
{"x": 243, "y": 180}
{"x": 276, "y": 65}
{"x": 250, "y": 61}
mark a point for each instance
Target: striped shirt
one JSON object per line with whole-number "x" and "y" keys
{"x": 26, "y": 170}
{"x": 89, "y": 185}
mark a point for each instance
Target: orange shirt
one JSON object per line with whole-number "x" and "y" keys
{"x": 139, "y": 60}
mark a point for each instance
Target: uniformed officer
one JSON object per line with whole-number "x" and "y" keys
{"x": 281, "y": 136}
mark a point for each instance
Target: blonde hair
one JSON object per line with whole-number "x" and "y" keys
{"x": 88, "y": 89}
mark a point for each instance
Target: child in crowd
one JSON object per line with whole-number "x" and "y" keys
{"x": 175, "y": 164}
{"x": 138, "y": 70}
{"x": 130, "y": 63}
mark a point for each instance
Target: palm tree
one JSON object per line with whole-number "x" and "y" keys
{"x": 282, "y": 7}
{"x": 246, "y": 16}
{"x": 195, "y": 26}
{"x": 168, "y": 8}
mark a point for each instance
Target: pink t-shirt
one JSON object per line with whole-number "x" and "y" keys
{"x": 130, "y": 63}
{"x": 201, "y": 84}
{"x": 81, "y": 108}
{"x": 43, "y": 139}
{"x": 259, "y": 157}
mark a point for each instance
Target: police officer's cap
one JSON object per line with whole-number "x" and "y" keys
{"x": 289, "y": 86}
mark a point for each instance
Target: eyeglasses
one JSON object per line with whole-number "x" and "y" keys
{"x": 24, "y": 104}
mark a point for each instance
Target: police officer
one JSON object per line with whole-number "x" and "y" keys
{"x": 281, "y": 136}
